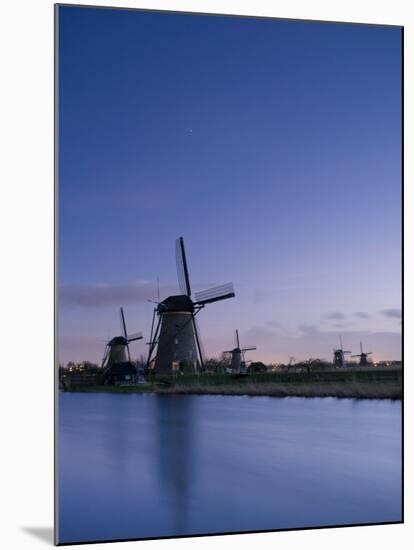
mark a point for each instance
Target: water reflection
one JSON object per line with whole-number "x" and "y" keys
{"x": 150, "y": 465}
{"x": 174, "y": 420}
{"x": 115, "y": 433}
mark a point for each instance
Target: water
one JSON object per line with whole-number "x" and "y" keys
{"x": 136, "y": 466}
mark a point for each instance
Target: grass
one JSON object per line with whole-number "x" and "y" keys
{"x": 364, "y": 390}
{"x": 368, "y": 383}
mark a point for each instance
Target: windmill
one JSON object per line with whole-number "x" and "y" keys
{"x": 363, "y": 356}
{"x": 117, "y": 349}
{"x": 339, "y": 355}
{"x": 238, "y": 363}
{"x": 175, "y": 338}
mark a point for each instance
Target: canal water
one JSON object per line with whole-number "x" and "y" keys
{"x": 136, "y": 466}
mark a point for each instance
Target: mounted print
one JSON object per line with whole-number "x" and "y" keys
{"x": 229, "y": 274}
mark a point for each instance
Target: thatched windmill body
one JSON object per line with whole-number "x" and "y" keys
{"x": 175, "y": 342}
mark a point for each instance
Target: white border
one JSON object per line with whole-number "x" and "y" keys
{"x": 26, "y": 229}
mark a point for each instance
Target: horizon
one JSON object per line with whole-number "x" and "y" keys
{"x": 274, "y": 151}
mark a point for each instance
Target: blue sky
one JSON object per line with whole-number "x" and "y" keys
{"x": 272, "y": 147}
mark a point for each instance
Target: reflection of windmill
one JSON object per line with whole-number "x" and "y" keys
{"x": 363, "y": 356}
{"x": 176, "y": 336}
{"x": 238, "y": 363}
{"x": 339, "y": 355}
{"x": 117, "y": 349}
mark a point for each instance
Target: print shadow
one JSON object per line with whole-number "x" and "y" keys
{"x": 44, "y": 534}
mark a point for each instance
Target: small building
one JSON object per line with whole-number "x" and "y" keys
{"x": 257, "y": 367}
{"x": 121, "y": 373}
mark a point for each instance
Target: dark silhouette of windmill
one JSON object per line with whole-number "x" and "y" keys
{"x": 363, "y": 356}
{"x": 238, "y": 363}
{"x": 339, "y": 355}
{"x": 117, "y": 349}
{"x": 175, "y": 342}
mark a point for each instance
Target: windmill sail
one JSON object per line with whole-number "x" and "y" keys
{"x": 124, "y": 332}
{"x": 106, "y": 354}
{"x": 123, "y": 324}
{"x": 182, "y": 268}
{"x": 134, "y": 336}
{"x": 215, "y": 294}
{"x": 200, "y": 346}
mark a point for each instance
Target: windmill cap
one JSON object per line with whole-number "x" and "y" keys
{"x": 118, "y": 341}
{"x": 181, "y": 302}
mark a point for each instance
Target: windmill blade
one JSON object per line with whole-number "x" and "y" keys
{"x": 250, "y": 348}
{"x": 134, "y": 336}
{"x": 340, "y": 342}
{"x": 128, "y": 352}
{"x": 346, "y": 352}
{"x": 154, "y": 341}
{"x": 152, "y": 325}
{"x": 368, "y": 353}
{"x": 360, "y": 345}
{"x": 182, "y": 268}
{"x": 215, "y": 294}
{"x": 123, "y": 325}
{"x": 105, "y": 355}
{"x": 358, "y": 355}
{"x": 199, "y": 341}
{"x": 236, "y": 338}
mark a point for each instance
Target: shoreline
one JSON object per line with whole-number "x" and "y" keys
{"x": 357, "y": 384}
{"x": 345, "y": 391}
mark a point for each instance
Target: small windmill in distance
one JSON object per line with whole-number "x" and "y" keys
{"x": 238, "y": 363}
{"x": 117, "y": 349}
{"x": 339, "y": 355}
{"x": 363, "y": 356}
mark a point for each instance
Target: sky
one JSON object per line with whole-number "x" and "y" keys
{"x": 272, "y": 146}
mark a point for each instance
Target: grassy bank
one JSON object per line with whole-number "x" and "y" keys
{"x": 370, "y": 383}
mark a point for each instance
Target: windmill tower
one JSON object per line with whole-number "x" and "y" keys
{"x": 117, "y": 349}
{"x": 339, "y": 355}
{"x": 363, "y": 356}
{"x": 238, "y": 363}
{"x": 175, "y": 340}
